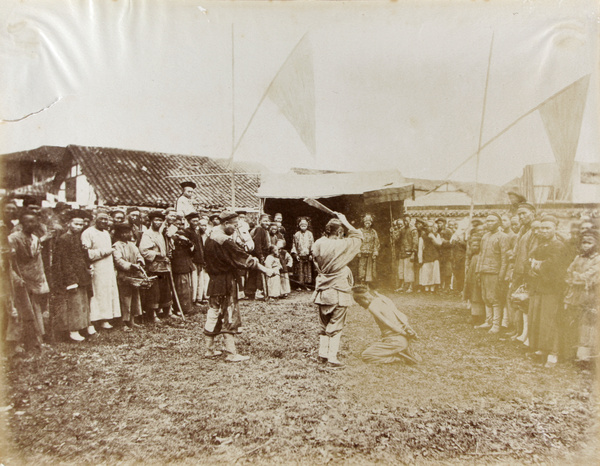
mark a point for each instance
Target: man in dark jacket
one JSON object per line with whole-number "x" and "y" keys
{"x": 223, "y": 259}
{"x": 548, "y": 269}
{"x": 518, "y": 271}
{"x": 72, "y": 281}
{"x": 445, "y": 254}
{"x": 262, "y": 241}
{"x": 195, "y": 236}
{"x": 407, "y": 245}
{"x": 182, "y": 265}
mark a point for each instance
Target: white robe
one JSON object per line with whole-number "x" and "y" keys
{"x": 184, "y": 205}
{"x": 105, "y": 302}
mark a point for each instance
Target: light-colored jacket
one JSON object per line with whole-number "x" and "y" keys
{"x": 331, "y": 256}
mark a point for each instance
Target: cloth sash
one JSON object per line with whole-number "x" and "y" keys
{"x": 341, "y": 280}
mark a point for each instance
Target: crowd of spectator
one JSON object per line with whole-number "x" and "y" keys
{"x": 74, "y": 272}
{"x": 521, "y": 275}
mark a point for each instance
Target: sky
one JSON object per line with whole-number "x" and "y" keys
{"x": 397, "y": 85}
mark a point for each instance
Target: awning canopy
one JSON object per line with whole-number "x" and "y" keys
{"x": 376, "y": 186}
{"x": 441, "y": 198}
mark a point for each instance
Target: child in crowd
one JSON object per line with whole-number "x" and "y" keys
{"x": 581, "y": 301}
{"x": 286, "y": 263}
{"x": 272, "y": 262}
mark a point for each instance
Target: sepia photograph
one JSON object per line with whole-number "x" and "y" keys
{"x": 299, "y": 232}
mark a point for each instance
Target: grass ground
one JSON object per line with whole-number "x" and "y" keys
{"x": 149, "y": 396}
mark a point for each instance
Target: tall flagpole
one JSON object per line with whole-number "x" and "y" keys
{"x": 487, "y": 79}
{"x": 232, "y": 117}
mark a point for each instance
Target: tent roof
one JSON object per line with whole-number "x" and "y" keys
{"x": 441, "y": 198}
{"x": 483, "y": 193}
{"x": 292, "y": 186}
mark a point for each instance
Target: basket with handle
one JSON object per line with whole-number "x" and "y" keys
{"x": 143, "y": 283}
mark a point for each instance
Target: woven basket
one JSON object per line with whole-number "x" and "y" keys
{"x": 143, "y": 283}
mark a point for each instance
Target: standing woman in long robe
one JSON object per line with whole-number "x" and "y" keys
{"x": 72, "y": 281}
{"x": 104, "y": 304}
{"x": 367, "y": 257}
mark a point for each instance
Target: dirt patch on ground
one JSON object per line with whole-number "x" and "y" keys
{"x": 150, "y": 396}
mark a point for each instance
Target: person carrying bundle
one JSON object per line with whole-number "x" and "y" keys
{"x": 129, "y": 264}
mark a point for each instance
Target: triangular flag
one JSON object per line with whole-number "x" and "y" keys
{"x": 562, "y": 115}
{"x": 293, "y": 91}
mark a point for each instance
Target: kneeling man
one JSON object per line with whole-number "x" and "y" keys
{"x": 396, "y": 332}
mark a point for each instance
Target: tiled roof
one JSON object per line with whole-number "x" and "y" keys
{"x": 38, "y": 189}
{"x": 242, "y": 166}
{"x": 130, "y": 177}
{"x": 52, "y": 154}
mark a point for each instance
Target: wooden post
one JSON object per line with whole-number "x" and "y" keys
{"x": 393, "y": 245}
